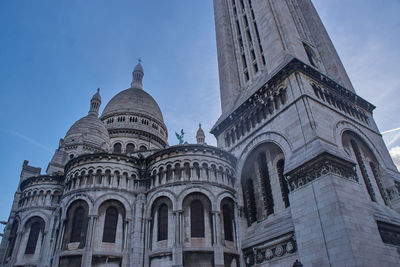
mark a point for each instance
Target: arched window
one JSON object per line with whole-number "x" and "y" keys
{"x": 110, "y": 225}
{"x": 130, "y": 148}
{"x": 228, "y": 222}
{"x": 77, "y": 225}
{"x": 12, "y": 237}
{"x": 364, "y": 173}
{"x": 196, "y": 218}
{"x": 162, "y": 231}
{"x": 142, "y": 148}
{"x": 117, "y": 148}
{"x": 33, "y": 238}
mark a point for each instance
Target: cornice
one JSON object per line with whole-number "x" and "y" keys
{"x": 262, "y": 91}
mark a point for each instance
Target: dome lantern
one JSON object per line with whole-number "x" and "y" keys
{"x": 95, "y": 103}
{"x": 137, "y": 76}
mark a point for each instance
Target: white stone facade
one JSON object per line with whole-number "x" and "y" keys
{"x": 300, "y": 172}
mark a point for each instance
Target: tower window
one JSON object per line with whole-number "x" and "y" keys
{"x": 130, "y": 148}
{"x": 228, "y": 222}
{"x": 77, "y": 225}
{"x": 117, "y": 148}
{"x": 110, "y": 225}
{"x": 255, "y": 66}
{"x": 143, "y": 148}
{"x": 12, "y": 238}
{"x": 33, "y": 238}
{"x": 197, "y": 218}
{"x": 310, "y": 55}
{"x": 162, "y": 231}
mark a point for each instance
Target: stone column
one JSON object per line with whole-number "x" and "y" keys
{"x": 16, "y": 247}
{"x": 177, "y": 251}
{"x": 87, "y": 255}
{"x": 136, "y": 236}
{"x": 218, "y": 249}
{"x": 148, "y": 240}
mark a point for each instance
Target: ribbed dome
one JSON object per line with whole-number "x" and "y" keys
{"x": 133, "y": 100}
{"x": 89, "y": 131}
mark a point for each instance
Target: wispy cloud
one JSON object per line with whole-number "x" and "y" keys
{"x": 29, "y": 140}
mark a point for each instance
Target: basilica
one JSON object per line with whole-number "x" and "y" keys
{"x": 300, "y": 175}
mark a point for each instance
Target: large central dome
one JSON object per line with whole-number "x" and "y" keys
{"x": 133, "y": 100}
{"x": 134, "y": 119}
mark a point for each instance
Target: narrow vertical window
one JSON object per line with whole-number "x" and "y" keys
{"x": 12, "y": 238}
{"x": 117, "y": 148}
{"x": 283, "y": 183}
{"x": 130, "y": 148}
{"x": 363, "y": 170}
{"x": 33, "y": 238}
{"x": 110, "y": 225}
{"x": 162, "y": 231}
{"x": 265, "y": 183}
{"x": 378, "y": 181}
{"x": 77, "y": 225}
{"x": 197, "y": 219}
{"x": 249, "y": 202}
{"x": 228, "y": 222}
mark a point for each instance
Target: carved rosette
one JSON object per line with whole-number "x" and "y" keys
{"x": 270, "y": 250}
{"x": 319, "y": 166}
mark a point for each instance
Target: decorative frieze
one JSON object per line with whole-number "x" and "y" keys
{"x": 321, "y": 165}
{"x": 270, "y": 250}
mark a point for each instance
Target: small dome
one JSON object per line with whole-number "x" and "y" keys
{"x": 89, "y": 131}
{"x": 133, "y": 100}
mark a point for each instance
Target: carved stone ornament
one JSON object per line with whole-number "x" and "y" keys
{"x": 270, "y": 250}
{"x": 321, "y": 165}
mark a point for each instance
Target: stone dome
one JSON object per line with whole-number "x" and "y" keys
{"x": 89, "y": 131}
{"x": 133, "y": 100}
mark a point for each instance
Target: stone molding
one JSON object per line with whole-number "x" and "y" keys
{"x": 319, "y": 166}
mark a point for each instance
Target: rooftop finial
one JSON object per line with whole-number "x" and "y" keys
{"x": 200, "y": 136}
{"x": 137, "y": 76}
{"x": 95, "y": 103}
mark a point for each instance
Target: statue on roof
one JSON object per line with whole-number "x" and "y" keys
{"x": 180, "y": 137}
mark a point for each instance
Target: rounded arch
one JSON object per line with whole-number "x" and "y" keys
{"x": 195, "y": 189}
{"x": 268, "y": 137}
{"x": 164, "y": 193}
{"x": 344, "y": 126}
{"x": 68, "y": 201}
{"x": 45, "y": 217}
{"x": 224, "y": 195}
{"x": 112, "y": 196}
{"x": 258, "y": 175}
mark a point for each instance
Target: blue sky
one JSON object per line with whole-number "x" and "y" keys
{"x": 54, "y": 54}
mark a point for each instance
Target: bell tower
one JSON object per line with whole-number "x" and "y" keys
{"x": 317, "y": 182}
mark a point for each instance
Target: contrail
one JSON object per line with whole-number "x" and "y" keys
{"x": 30, "y": 140}
{"x": 390, "y": 131}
